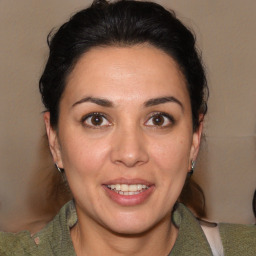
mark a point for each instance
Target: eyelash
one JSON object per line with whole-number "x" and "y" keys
{"x": 169, "y": 117}
{"x": 85, "y": 118}
{"x": 95, "y": 114}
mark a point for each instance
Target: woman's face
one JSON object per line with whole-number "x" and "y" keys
{"x": 125, "y": 137}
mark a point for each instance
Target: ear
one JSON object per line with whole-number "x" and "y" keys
{"x": 196, "y": 142}
{"x": 53, "y": 140}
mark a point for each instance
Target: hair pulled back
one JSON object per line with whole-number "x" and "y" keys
{"x": 122, "y": 23}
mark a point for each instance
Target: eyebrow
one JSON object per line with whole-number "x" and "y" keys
{"x": 98, "y": 101}
{"x": 149, "y": 103}
{"x": 162, "y": 100}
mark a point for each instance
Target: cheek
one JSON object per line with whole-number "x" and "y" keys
{"x": 83, "y": 155}
{"x": 171, "y": 159}
{"x": 171, "y": 155}
{"x": 83, "y": 161}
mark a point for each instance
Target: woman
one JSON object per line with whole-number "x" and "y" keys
{"x": 125, "y": 97}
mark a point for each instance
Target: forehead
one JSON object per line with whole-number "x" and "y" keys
{"x": 134, "y": 72}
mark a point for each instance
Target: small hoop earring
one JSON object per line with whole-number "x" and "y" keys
{"x": 61, "y": 170}
{"x": 193, "y": 163}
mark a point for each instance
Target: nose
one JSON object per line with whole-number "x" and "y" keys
{"x": 129, "y": 148}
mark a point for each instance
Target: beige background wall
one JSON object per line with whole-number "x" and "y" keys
{"x": 227, "y": 166}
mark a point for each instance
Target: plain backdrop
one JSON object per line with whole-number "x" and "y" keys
{"x": 227, "y": 163}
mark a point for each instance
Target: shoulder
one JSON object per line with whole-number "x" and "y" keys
{"x": 238, "y": 239}
{"x": 234, "y": 239}
{"x": 191, "y": 239}
{"x": 53, "y": 239}
{"x": 12, "y": 244}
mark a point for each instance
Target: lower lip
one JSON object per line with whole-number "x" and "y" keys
{"x": 129, "y": 200}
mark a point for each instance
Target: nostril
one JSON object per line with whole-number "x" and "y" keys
{"x": 129, "y": 148}
{"x": 130, "y": 158}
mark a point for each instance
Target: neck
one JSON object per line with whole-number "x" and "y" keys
{"x": 91, "y": 241}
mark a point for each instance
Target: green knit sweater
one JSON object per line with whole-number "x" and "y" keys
{"x": 55, "y": 240}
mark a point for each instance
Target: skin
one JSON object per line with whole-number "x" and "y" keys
{"x": 128, "y": 144}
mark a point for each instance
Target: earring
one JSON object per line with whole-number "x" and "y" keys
{"x": 61, "y": 170}
{"x": 193, "y": 163}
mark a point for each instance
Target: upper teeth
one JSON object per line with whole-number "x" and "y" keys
{"x": 127, "y": 188}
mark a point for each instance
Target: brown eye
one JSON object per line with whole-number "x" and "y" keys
{"x": 160, "y": 120}
{"x": 95, "y": 120}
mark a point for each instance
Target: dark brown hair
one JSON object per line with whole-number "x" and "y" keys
{"x": 122, "y": 23}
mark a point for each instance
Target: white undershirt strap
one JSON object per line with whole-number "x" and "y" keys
{"x": 213, "y": 237}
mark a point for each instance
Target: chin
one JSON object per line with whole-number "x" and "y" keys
{"x": 132, "y": 225}
{"x": 130, "y": 230}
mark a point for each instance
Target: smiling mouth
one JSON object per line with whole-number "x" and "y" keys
{"x": 127, "y": 189}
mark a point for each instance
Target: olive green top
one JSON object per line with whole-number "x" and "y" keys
{"x": 55, "y": 238}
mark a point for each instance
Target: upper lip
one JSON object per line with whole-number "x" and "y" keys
{"x": 128, "y": 181}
